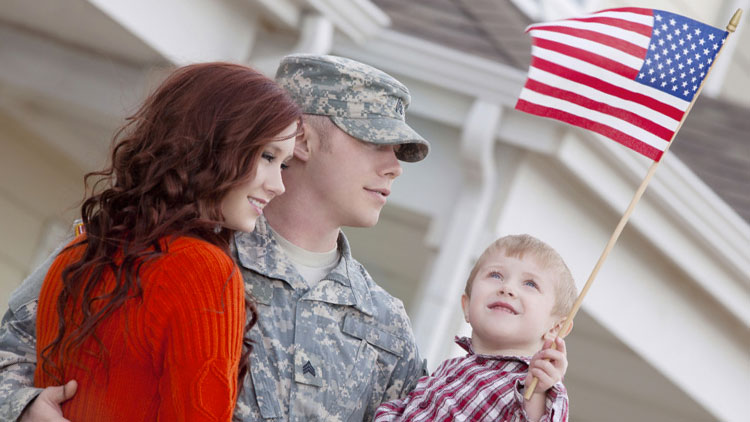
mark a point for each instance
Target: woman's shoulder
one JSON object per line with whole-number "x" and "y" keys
{"x": 191, "y": 248}
{"x": 191, "y": 256}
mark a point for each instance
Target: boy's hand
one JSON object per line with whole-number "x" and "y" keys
{"x": 548, "y": 365}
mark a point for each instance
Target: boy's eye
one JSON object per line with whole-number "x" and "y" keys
{"x": 531, "y": 283}
{"x": 495, "y": 274}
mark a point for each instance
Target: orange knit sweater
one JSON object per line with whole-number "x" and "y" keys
{"x": 173, "y": 352}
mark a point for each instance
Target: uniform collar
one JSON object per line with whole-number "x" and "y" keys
{"x": 260, "y": 252}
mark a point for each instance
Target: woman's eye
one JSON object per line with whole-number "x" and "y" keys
{"x": 284, "y": 166}
{"x": 268, "y": 156}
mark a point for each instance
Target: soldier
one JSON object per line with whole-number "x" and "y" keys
{"x": 330, "y": 344}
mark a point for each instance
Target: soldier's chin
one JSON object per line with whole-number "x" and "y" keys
{"x": 365, "y": 221}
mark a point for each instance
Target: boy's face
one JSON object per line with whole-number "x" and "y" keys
{"x": 510, "y": 307}
{"x": 354, "y": 178}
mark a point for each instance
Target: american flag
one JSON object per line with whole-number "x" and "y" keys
{"x": 629, "y": 74}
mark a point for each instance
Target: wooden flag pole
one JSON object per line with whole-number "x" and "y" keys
{"x": 567, "y": 325}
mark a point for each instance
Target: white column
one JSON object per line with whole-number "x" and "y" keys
{"x": 440, "y": 294}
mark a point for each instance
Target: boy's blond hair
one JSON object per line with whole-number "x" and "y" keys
{"x": 517, "y": 246}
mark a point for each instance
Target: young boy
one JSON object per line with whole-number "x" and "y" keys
{"x": 516, "y": 300}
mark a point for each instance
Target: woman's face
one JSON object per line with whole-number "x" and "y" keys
{"x": 242, "y": 205}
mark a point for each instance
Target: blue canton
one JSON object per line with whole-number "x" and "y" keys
{"x": 679, "y": 54}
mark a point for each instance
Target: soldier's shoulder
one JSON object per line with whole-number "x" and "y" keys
{"x": 386, "y": 304}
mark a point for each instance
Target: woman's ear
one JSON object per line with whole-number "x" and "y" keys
{"x": 302, "y": 144}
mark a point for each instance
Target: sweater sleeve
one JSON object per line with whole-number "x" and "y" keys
{"x": 197, "y": 310}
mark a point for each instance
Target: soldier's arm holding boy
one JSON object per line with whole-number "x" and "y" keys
{"x": 19, "y": 399}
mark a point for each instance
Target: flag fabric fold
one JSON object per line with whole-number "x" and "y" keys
{"x": 629, "y": 74}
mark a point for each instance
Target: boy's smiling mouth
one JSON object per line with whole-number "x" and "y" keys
{"x": 502, "y": 306}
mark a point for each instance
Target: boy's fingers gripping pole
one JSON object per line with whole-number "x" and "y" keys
{"x": 731, "y": 27}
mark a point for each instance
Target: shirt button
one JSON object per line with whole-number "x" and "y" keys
{"x": 424, "y": 405}
{"x": 481, "y": 360}
{"x": 450, "y": 379}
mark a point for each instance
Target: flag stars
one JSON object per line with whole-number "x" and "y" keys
{"x": 660, "y": 66}
{"x": 685, "y": 26}
{"x": 664, "y": 27}
{"x": 672, "y": 22}
{"x": 711, "y": 37}
{"x": 682, "y": 75}
{"x": 702, "y": 41}
{"x": 663, "y": 84}
{"x": 689, "y": 37}
{"x": 657, "y": 31}
{"x": 669, "y": 37}
{"x": 697, "y": 31}
{"x": 677, "y": 31}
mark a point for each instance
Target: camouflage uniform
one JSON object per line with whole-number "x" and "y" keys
{"x": 330, "y": 353}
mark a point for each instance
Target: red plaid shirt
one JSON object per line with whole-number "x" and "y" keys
{"x": 473, "y": 388}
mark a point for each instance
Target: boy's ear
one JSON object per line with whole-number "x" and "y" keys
{"x": 301, "y": 143}
{"x": 465, "y": 306}
{"x": 555, "y": 331}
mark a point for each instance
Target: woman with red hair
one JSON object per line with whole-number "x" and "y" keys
{"x": 147, "y": 310}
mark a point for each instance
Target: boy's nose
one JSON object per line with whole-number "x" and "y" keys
{"x": 505, "y": 290}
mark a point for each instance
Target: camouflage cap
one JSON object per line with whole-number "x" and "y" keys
{"x": 364, "y": 102}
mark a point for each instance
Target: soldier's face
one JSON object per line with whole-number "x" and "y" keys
{"x": 354, "y": 178}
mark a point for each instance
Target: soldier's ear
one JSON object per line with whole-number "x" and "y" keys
{"x": 302, "y": 144}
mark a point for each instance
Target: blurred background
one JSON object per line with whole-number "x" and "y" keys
{"x": 664, "y": 334}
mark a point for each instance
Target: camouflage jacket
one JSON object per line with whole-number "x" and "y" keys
{"x": 332, "y": 353}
